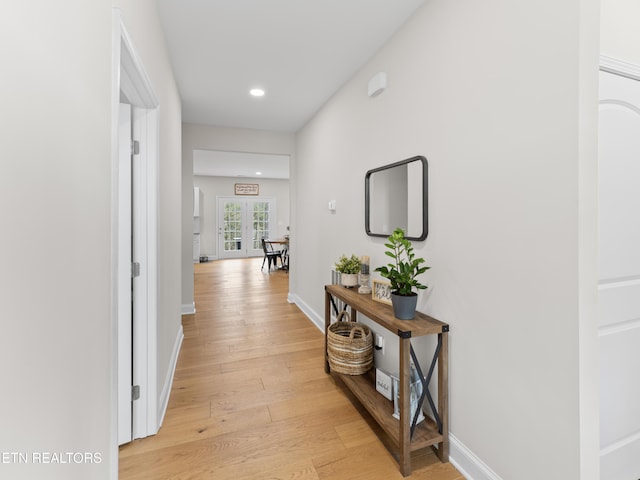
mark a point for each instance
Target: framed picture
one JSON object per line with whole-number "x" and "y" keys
{"x": 381, "y": 291}
{"x": 383, "y": 384}
{"x": 247, "y": 189}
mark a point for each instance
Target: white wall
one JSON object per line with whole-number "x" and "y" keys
{"x": 213, "y": 187}
{"x": 620, "y": 21}
{"x": 55, "y": 192}
{"x": 206, "y": 137}
{"x": 501, "y": 98}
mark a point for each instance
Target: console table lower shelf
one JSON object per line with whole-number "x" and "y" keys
{"x": 363, "y": 387}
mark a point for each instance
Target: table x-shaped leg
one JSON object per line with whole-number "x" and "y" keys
{"x": 425, "y": 387}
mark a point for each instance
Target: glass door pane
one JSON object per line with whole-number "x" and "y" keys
{"x": 231, "y": 228}
{"x": 261, "y": 223}
{"x": 242, "y": 223}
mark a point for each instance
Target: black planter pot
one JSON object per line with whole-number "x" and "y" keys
{"x": 404, "y": 306}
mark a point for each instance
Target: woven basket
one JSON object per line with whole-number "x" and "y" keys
{"x": 349, "y": 348}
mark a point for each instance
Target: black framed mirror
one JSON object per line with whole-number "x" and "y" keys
{"x": 396, "y": 196}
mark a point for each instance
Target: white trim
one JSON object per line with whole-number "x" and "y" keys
{"x": 188, "y": 308}
{"x": 124, "y": 253}
{"x": 620, "y": 327}
{"x": 619, "y": 67}
{"x": 614, "y": 447}
{"x": 129, "y": 78}
{"x": 168, "y": 381}
{"x": 115, "y": 108}
{"x": 316, "y": 319}
{"x": 152, "y": 230}
{"x": 467, "y": 463}
{"x": 133, "y": 81}
{"x": 144, "y": 367}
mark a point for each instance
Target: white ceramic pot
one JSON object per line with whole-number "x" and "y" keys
{"x": 349, "y": 279}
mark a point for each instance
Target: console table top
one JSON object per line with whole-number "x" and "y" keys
{"x": 383, "y": 314}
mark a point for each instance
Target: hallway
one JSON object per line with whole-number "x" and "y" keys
{"x": 250, "y": 398}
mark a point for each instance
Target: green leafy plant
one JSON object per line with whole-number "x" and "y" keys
{"x": 406, "y": 267}
{"x": 348, "y": 264}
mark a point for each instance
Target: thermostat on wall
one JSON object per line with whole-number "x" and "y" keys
{"x": 377, "y": 84}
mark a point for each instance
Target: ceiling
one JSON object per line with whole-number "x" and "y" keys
{"x": 299, "y": 51}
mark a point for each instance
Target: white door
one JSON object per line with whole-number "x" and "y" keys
{"x": 619, "y": 279}
{"x": 242, "y": 223}
{"x": 124, "y": 277}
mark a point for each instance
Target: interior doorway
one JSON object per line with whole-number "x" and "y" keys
{"x": 134, "y": 240}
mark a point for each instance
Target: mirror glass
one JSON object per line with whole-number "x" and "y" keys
{"x": 396, "y": 196}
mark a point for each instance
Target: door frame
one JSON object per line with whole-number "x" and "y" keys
{"x": 129, "y": 78}
{"x": 145, "y": 411}
{"x": 125, "y": 299}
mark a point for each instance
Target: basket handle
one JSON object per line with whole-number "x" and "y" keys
{"x": 353, "y": 332}
{"x": 342, "y": 314}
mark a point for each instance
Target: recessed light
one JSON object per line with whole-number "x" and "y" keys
{"x": 258, "y": 173}
{"x": 257, "y": 92}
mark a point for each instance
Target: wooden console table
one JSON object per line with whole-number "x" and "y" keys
{"x": 404, "y": 432}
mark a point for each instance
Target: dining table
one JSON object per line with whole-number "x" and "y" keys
{"x": 284, "y": 243}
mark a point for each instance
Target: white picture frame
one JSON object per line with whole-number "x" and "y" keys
{"x": 383, "y": 384}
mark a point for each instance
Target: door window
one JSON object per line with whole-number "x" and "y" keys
{"x": 243, "y": 223}
{"x": 232, "y": 226}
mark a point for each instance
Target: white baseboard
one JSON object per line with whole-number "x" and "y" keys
{"x": 467, "y": 463}
{"x": 168, "y": 381}
{"x": 316, "y": 319}
{"x": 188, "y": 308}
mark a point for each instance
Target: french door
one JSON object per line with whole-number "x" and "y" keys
{"x": 242, "y": 223}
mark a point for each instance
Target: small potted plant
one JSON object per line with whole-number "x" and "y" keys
{"x": 349, "y": 267}
{"x": 402, "y": 274}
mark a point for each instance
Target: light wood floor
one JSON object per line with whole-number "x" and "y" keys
{"x": 250, "y": 398}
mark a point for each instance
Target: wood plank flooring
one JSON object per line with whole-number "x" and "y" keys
{"x": 251, "y": 401}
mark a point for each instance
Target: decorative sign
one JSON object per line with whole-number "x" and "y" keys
{"x": 383, "y": 384}
{"x": 381, "y": 292}
{"x": 247, "y": 188}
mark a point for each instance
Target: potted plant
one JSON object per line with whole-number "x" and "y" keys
{"x": 402, "y": 274}
{"x": 349, "y": 267}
